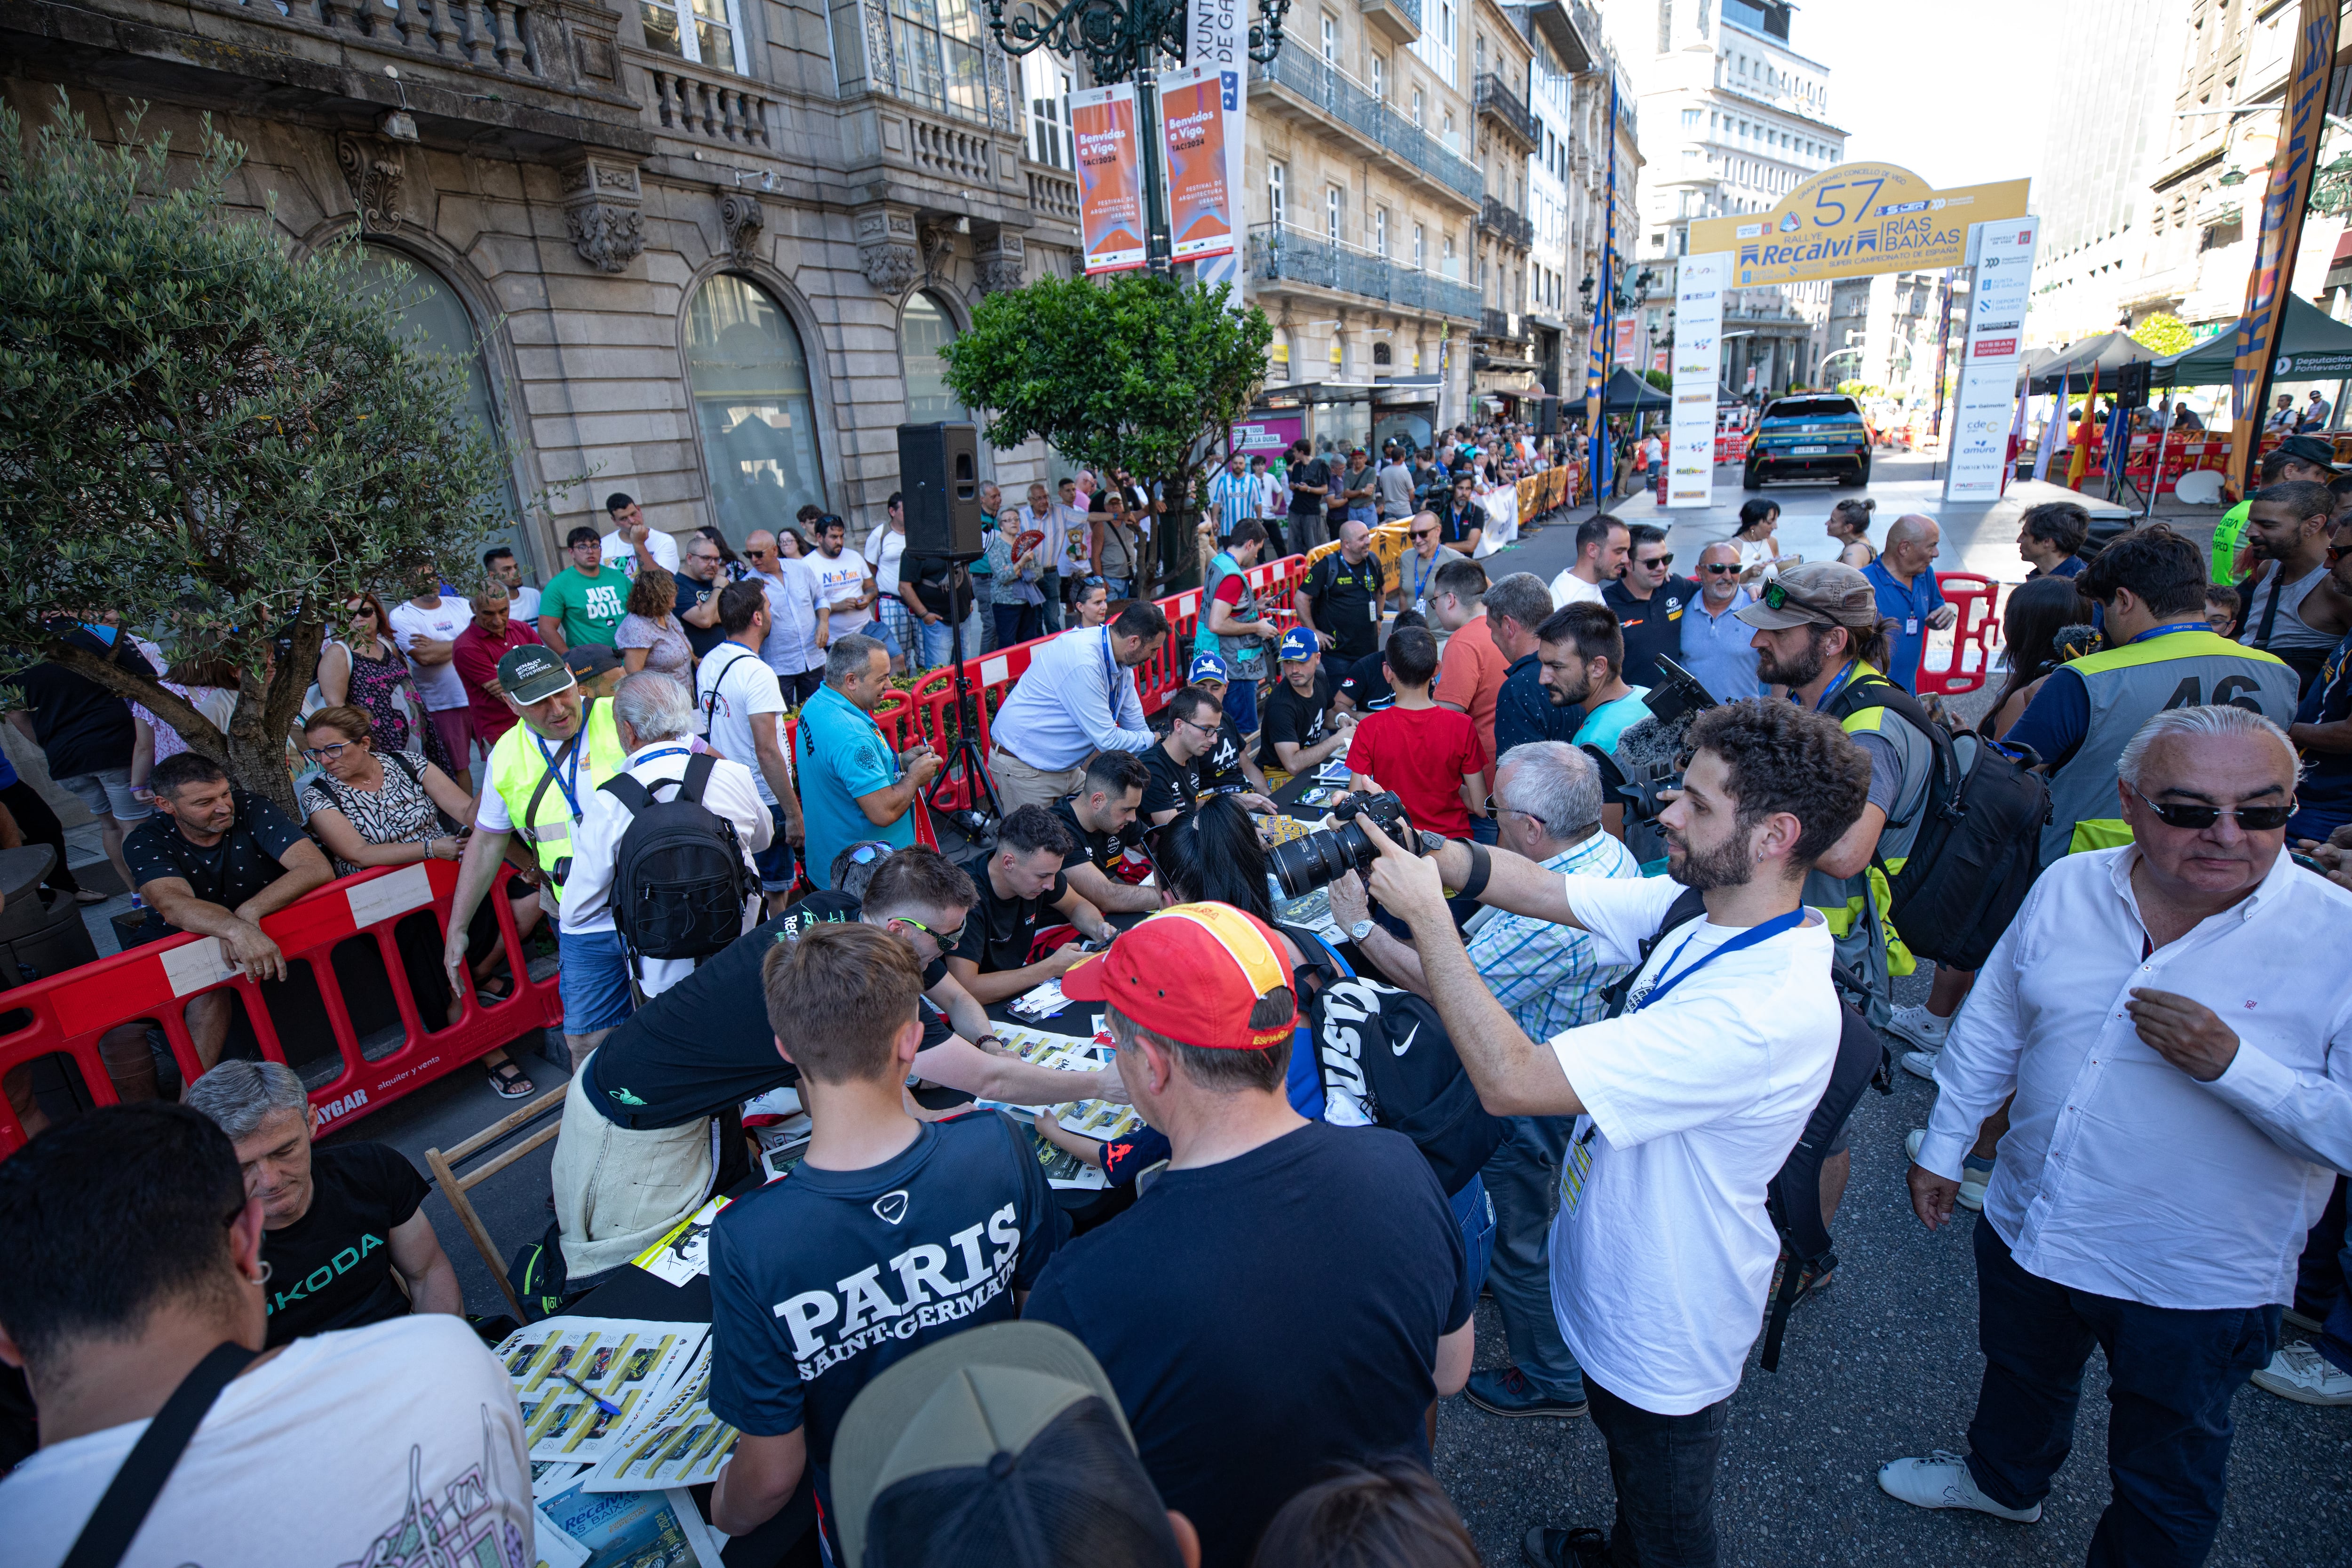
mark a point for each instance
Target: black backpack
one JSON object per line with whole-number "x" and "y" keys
{"x": 1389, "y": 1050}
{"x": 1978, "y": 846}
{"x": 680, "y": 882}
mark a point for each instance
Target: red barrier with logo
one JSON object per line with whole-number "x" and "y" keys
{"x": 1973, "y": 636}
{"x": 71, "y": 1012}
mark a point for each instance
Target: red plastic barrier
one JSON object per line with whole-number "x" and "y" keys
{"x": 1974, "y": 634}
{"x": 71, "y": 1010}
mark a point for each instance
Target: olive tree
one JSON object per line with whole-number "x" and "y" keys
{"x": 206, "y": 437}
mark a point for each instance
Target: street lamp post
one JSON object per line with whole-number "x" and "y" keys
{"x": 1123, "y": 40}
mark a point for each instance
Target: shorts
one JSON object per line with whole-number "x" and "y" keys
{"x": 775, "y": 862}
{"x": 456, "y": 728}
{"x": 594, "y": 980}
{"x": 876, "y": 627}
{"x": 106, "y": 792}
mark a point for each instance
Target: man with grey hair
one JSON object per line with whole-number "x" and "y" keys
{"x": 1549, "y": 976}
{"x": 655, "y": 717}
{"x": 1524, "y": 714}
{"x": 336, "y": 1222}
{"x": 2182, "y": 1075}
{"x": 854, "y": 786}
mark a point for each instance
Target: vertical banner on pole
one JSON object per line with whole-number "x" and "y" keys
{"x": 1216, "y": 36}
{"x": 1193, "y": 131}
{"x": 1700, "y": 283}
{"x": 1111, "y": 177}
{"x": 1986, "y": 403}
{"x": 2281, "y": 235}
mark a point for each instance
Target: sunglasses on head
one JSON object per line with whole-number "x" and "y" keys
{"x": 1777, "y": 597}
{"x": 2197, "y": 818}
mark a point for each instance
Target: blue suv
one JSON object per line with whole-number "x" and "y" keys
{"x": 1811, "y": 436}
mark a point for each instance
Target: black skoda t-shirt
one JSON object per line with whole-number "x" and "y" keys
{"x": 998, "y": 932}
{"x": 1174, "y": 786}
{"x": 1348, "y": 1223}
{"x": 824, "y": 1280}
{"x": 1292, "y": 719}
{"x": 79, "y": 725}
{"x": 1348, "y": 602}
{"x": 333, "y": 1268}
{"x": 241, "y": 863}
{"x": 704, "y": 1044}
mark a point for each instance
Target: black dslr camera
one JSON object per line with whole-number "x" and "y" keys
{"x": 1305, "y": 864}
{"x": 1649, "y": 754}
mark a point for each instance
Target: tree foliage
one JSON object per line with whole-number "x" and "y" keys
{"x": 213, "y": 441}
{"x": 1137, "y": 371}
{"x": 2163, "y": 333}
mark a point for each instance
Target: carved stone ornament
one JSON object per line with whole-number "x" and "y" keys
{"x": 601, "y": 212}
{"x": 1000, "y": 258}
{"x": 745, "y": 222}
{"x": 373, "y": 171}
{"x": 939, "y": 248}
{"x": 886, "y": 251}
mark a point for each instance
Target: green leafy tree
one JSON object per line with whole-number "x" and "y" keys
{"x": 1137, "y": 371}
{"x": 2163, "y": 333}
{"x": 1659, "y": 379}
{"x": 205, "y": 438}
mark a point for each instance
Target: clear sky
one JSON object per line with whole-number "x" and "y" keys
{"x": 1947, "y": 91}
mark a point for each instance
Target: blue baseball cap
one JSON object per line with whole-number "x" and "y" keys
{"x": 1300, "y": 642}
{"x": 1207, "y": 667}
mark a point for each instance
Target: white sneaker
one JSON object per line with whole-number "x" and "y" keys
{"x": 1911, "y": 1141}
{"x": 1942, "y": 1481}
{"x": 1974, "y": 1180}
{"x": 2301, "y": 1373}
{"x": 1920, "y": 1027}
{"x": 1921, "y": 1064}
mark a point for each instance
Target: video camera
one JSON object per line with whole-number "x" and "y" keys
{"x": 1650, "y": 753}
{"x": 1307, "y": 863}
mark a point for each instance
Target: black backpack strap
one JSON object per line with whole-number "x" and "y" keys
{"x": 697, "y": 776}
{"x": 1689, "y": 905}
{"x": 1793, "y": 1196}
{"x": 1878, "y": 691}
{"x": 131, "y": 1496}
{"x": 628, "y": 791}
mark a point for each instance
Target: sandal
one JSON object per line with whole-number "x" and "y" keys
{"x": 507, "y": 1080}
{"x": 496, "y": 988}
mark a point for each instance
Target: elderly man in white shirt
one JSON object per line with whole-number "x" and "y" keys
{"x": 1077, "y": 697}
{"x": 655, "y": 718}
{"x": 2182, "y": 1070}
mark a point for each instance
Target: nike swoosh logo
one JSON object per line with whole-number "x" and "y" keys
{"x": 1407, "y": 1043}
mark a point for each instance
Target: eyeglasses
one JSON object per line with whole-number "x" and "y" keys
{"x": 327, "y": 753}
{"x": 358, "y": 612}
{"x": 1716, "y": 568}
{"x": 946, "y": 939}
{"x": 1204, "y": 728}
{"x": 2197, "y": 818}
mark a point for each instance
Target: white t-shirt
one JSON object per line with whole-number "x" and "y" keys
{"x": 840, "y": 579}
{"x": 440, "y": 684}
{"x": 523, "y": 605}
{"x": 1662, "y": 1259}
{"x": 731, "y": 684}
{"x": 619, "y": 553}
{"x": 882, "y": 549}
{"x": 307, "y": 1461}
{"x": 1567, "y": 589}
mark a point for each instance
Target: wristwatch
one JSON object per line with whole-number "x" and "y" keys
{"x": 1360, "y": 932}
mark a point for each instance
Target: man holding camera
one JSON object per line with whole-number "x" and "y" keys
{"x": 1690, "y": 1100}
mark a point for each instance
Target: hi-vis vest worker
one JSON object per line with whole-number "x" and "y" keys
{"x": 542, "y": 769}
{"x": 1856, "y": 907}
{"x": 2182, "y": 666}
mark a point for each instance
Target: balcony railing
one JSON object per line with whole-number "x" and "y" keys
{"x": 1278, "y": 253}
{"x": 1054, "y": 194}
{"x": 693, "y": 101}
{"x": 1505, "y": 108}
{"x": 1497, "y": 218}
{"x": 495, "y": 35}
{"x": 1339, "y": 95}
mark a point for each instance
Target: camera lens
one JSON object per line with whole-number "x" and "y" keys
{"x": 1305, "y": 864}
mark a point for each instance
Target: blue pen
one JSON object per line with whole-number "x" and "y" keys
{"x": 602, "y": 1403}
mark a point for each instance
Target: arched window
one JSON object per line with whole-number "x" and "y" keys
{"x": 1381, "y": 355}
{"x": 927, "y": 330}
{"x": 751, "y": 405}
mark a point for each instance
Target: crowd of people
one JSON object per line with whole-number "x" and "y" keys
{"x": 1580, "y": 1025}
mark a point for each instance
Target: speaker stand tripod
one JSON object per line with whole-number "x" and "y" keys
{"x": 965, "y": 747}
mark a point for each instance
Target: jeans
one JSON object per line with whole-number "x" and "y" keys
{"x": 2172, "y": 1373}
{"x": 938, "y": 640}
{"x": 594, "y": 981}
{"x": 1015, "y": 623}
{"x": 1485, "y": 830}
{"x": 2335, "y": 1339}
{"x": 1115, "y": 588}
{"x": 1522, "y": 1176}
{"x": 1664, "y": 1470}
{"x": 1473, "y": 1211}
{"x": 1241, "y": 702}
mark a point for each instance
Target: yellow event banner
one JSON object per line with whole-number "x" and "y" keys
{"x": 1854, "y": 220}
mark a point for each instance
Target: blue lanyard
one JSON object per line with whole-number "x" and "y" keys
{"x": 1748, "y": 938}
{"x": 1426, "y": 573}
{"x": 665, "y": 751}
{"x": 2168, "y": 629}
{"x": 1838, "y": 685}
{"x": 566, "y": 782}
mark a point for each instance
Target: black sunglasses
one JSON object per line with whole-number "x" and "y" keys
{"x": 1662, "y": 561}
{"x": 2197, "y": 818}
{"x": 1716, "y": 568}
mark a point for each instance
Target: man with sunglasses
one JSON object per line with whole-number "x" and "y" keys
{"x": 1717, "y": 646}
{"x": 1649, "y": 600}
{"x": 699, "y": 578}
{"x": 652, "y": 1123}
{"x": 1415, "y": 579}
{"x": 2154, "y": 1011}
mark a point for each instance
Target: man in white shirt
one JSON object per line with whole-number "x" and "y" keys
{"x": 500, "y": 562}
{"x": 1077, "y": 697}
{"x": 425, "y": 628}
{"x": 136, "y": 1269}
{"x": 633, "y": 544}
{"x": 742, "y": 705}
{"x": 1691, "y": 1098}
{"x": 2183, "y": 1073}
{"x": 797, "y": 617}
{"x": 1040, "y": 515}
{"x": 844, "y": 580}
{"x": 1602, "y": 545}
{"x": 656, "y": 716}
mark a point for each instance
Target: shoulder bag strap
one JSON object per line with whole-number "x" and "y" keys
{"x": 697, "y": 776}
{"x": 531, "y": 812}
{"x": 131, "y": 1496}
{"x": 2270, "y": 608}
{"x": 710, "y": 699}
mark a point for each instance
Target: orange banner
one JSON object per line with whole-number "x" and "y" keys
{"x": 1111, "y": 177}
{"x": 1192, "y": 108}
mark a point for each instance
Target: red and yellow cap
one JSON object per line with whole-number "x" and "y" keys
{"x": 1193, "y": 972}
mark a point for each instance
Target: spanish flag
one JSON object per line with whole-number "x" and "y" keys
{"x": 2080, "y": 463}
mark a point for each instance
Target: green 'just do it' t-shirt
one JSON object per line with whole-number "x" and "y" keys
{"x": 587, "y": 607}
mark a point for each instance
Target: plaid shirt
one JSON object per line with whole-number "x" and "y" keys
{"x": 1235, "y": 497}
{"x": 1542, "y": 972}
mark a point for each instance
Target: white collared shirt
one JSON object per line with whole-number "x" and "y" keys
{"x": 2120, "y": 1173}
{"x": 1072, "y": 701}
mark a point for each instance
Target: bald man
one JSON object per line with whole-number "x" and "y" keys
{"x": 1908, "y": 594}
{"x": 797, "y": 613}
